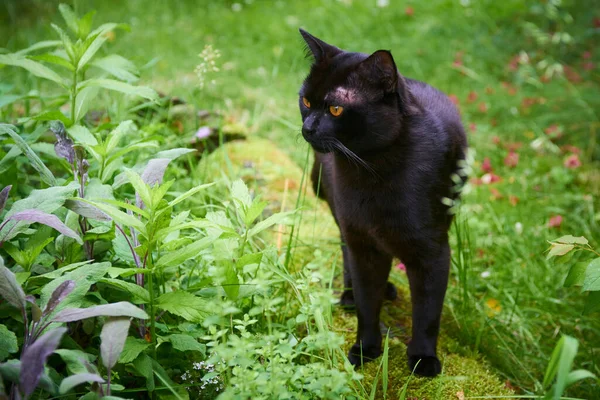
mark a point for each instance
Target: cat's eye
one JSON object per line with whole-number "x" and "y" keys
{"x": 336, "y": 111}
{"x": 306, "y": 102}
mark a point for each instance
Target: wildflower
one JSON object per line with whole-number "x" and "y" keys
{"x": 383, "y": 3}
{"x": 490, "y": 178}
{"x": 483, "y": 107}
{"x": 572, "y": 161}
{"x": 454, "y": 99}
{"x": 472, "y": 127}
{"x": 555, "y": 221}
{"x": 486, "y": 274}
{"x": 472, "y": 97}
{"x": 208, "y": 65}
{"x": 519, "y": 228}
{"x": 409, "y": 11}
{"x": 513, "y": 200}
{"x": 486, "y": 165}
{"x": 496, "y": 195}
{"x": 494, "y": 307}
{"x": 401, "y": 267}
{"x": 512, "y": 159}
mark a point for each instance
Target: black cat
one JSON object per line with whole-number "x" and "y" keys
{"x": 385, "y": 150}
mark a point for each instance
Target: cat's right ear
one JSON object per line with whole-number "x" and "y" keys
{"x": 318, "y": 49}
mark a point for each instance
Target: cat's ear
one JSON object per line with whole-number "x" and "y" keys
{"x": 318, "y": 49}
{"x": 380, "y": 69}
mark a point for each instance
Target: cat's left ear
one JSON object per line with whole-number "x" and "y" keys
{"x": 380, "y": 69}
{"x": 319, "y": 50}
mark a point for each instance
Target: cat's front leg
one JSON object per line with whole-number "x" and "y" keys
{"x": 369, "y": 269}
{"x": 427, "y": 269}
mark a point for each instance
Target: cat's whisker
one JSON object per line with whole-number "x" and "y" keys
{"x": 356, "y": 160}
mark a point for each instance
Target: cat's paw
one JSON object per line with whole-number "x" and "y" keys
{"x": 391, "y": 293}
{"x": 427, "y": 366}
{"x": 347, "y": 299}
{"x": 359, "y": 356}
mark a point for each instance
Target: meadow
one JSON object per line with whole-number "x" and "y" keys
{"x": 158, "y": 237}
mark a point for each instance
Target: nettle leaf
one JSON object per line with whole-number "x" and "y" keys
{"x": 72, "y": 381}
{"x": 143, "y": 365}
{"x": 77, "y": 361}
{"x": 132, "y": 349}
{"x": 10, "y": 290}
{"x": 592, "y": 276}
{"x": 4, "y": 196}
{"x": 114, "y": 138}
{"x": 34, "y": 359}
{"x": 59, "y": 294}
{"x": 82, "y": 135}
{"x": 187, "y": 252}
{"x": 8, "y": 342}
{"x": 36, "y": 162}
{"x": 184, "y": 304}
{"x": 183, "y": 342}
{"x": 139, "y": 295}
{"x": 559, "y": 249}
{"x": 113, "y": 336}
{"x": 569, "y": 239}
{"x": 34, "y": 67}
{"x": 46, "y": 219}
{"x": 121, "y": 309}
{"x": 254, "y": 211}
{"x": 111, "y": 84}
{"x": 240, "y": 193}
{"x": 189, "y": 193}
{"x": 278, "y": 218}
{"x": 142, "y": 192}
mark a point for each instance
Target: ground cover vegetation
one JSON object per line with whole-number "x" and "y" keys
{"x": 158, "y": 237}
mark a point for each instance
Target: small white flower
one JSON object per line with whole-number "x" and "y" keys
{"x": 383, "y": 3}
{"x": 236, "y": 7}
{"x": 486, "y": 274}
{"x": 519, "y": 228}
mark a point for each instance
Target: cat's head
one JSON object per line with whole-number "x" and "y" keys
{"x": 351, "y": 99}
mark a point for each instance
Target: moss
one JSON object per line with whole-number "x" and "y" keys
{"x": 277, "y": 179}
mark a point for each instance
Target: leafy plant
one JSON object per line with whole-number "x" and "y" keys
{"x": 582, "y": 273}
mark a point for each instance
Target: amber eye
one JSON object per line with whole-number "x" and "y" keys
{"x": 336, "y": 111}
{"x": 306, "y": 102}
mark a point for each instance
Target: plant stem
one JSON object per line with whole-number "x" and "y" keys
{"x": 73, "y": 96}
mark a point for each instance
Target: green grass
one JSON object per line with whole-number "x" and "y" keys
{"x": 262, "y": 66}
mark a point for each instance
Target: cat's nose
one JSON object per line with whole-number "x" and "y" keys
{"x": 307, "y": 131}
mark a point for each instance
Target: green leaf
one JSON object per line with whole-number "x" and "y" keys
{"x": 172, "y": 154}
{"x": 116, "y": 134}
{"x": 592, "y": 303}
{"x": 143, "y": 365}
{"x": 184, "y": 304}
{"x": 83, "y": 100}
{"x": 111, "y": 84}
{"x": 70, "y": 18}
{"x": 52, "y": 115}
{"x": 81, "y": 134}
{"x": 576, "y": 274}
{"x": 8, "y": 342}
{"x": 67, "y": 43}
{"x": 592, "y": 276}
{"x": 120, "y": 309}
{"x": 10, "y": 290}
{"x": 36, "y": 163}
{"x": 113, "y": 336}
{"x": 92, "y": 45}
{"x": 84, "y": 277}
{"x": 183, "y": 342}
{"x": 254, "y": 211}
{"x": 39, "y": 45}
{"x": 120, "y": 67}
{"x": 54, "y": 59}
{"x": 578, "y": 375}
{"x": 232, "y": 282}
{"x": 567, "y": 356}
{"x": 77, "y": 361}
{"x": 268, "y": 222}
{"x": 190, "y": 251}
{"x": 73, "y": 381}
{"x": 569, "y": 239}
{"x": 141, "y": 189}
{"x": 240, "y": 193}
{"x": 33, "y": 358}
{"x": 559, "y": 249}
{"x": 133, "y": 348}
{"x": 139, "y": 295}
{"x": 33, "y": 67}
{"x": 85, "y": 24}
{"x": 189, "y": 193}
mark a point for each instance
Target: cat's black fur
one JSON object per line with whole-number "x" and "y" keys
{"x": 384, "y": 166}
